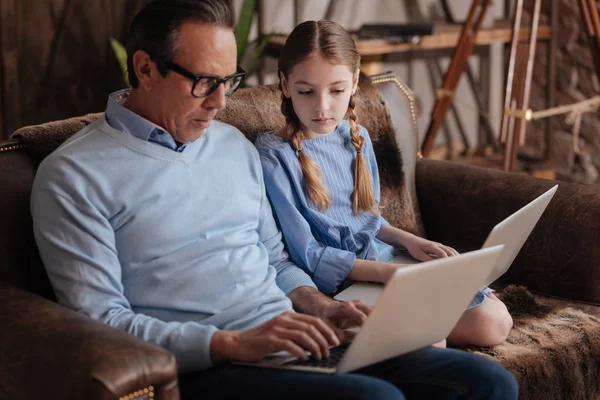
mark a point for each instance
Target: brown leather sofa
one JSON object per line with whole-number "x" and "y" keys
{"x": 48, "y": 351}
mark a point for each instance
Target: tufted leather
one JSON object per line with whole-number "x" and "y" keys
{"x": 48, "y": 351}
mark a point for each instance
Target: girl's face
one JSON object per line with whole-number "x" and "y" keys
{"x": 320, "y": 93}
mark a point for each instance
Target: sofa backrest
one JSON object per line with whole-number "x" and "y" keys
{"x": 385, "y": 107}
{"x": 20, "y": 264}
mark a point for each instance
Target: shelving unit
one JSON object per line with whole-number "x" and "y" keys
{"x": 445, "y": 36}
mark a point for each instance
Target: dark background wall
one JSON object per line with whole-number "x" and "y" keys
{"x": 56, "y": 60}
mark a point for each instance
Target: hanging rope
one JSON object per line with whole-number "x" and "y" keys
{"x": 575, "y": 112}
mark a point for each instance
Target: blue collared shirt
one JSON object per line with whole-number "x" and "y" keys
{"x": 122, "y": 119}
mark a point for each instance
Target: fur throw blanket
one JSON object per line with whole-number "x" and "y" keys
{"x": 553, "y": 349}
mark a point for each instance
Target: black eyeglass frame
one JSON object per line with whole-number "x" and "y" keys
{"x": 196, "y": 78}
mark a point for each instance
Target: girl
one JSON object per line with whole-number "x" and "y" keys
{"x": 322, "y": 179}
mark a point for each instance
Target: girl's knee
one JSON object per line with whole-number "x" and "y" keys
{"x": 500, "y": 321}
{"x": 486, "y": 325}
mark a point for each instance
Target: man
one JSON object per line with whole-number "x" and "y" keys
{"x": 154, "y": 220}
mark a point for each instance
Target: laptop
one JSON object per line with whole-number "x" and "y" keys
{"x": 512, "y": 232}
{"x": 419, "y": 306}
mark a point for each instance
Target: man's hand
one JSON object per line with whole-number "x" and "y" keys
{"x": 290, "y": 331}
{"x": 340, "y": 315}
{"x": 346, "y": 314}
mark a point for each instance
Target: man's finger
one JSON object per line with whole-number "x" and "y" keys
{"x": 349, "y": 311}
{"x": 341, "y": 334}
{"x": 362, "y": 307}
{"x": 305, "y": 341}
{"x": 325, "y": 330}
{"x": 313, "y": 333}
{"x": 280, "y": 344}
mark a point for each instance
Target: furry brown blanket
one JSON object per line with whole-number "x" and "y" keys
{"x": 553, "y": 350}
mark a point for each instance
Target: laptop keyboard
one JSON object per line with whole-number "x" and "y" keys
{"x": 335, "y": 355}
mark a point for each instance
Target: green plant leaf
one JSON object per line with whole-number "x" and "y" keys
{"x": 258, "y": 51}
{"x": 244, "y": 24}
{"x": 121, "y": 54}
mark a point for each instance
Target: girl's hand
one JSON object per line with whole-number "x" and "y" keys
{"x": 425, "y": 250}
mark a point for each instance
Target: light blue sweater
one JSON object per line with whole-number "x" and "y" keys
{"x": 168, "y": 246}
{"x": 324, "y": 243}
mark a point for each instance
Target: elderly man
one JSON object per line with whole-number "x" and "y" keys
{"x": 154, "y": 220}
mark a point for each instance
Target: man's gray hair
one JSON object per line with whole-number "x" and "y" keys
{"x": 155, "y": 28}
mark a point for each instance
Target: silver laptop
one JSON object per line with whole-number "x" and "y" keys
{"x": 419, "y": 306}
{"x": 512, "y": 232}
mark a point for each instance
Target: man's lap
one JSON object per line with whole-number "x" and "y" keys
{"x": 427, "y": 373}
{"x": 235, "y": 382}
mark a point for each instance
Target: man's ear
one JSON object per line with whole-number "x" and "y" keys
{"x": 284, "y": 85}
{"x": 145, "y": 69}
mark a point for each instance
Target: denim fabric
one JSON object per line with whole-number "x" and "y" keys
{"x": 430, "y": 373}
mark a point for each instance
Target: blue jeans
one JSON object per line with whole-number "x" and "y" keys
{"x": 431, "y": 373}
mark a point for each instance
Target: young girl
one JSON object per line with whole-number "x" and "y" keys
{"x": 322, "y": 179}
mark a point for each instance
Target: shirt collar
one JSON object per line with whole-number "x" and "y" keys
{"x": 123, "y": 119}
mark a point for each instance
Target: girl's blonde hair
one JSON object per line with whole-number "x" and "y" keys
{"x": 332, "y": 42}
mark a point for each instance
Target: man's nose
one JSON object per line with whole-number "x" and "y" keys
{"x": 217, "y": 98}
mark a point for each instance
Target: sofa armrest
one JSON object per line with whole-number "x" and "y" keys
{"x": 460, "y": 204}
{"x": 49, "y": 351}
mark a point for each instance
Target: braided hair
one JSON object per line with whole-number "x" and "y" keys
{"x": 332, "y": 42}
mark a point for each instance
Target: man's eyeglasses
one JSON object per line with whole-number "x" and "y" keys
{"x": 204, "y": 85}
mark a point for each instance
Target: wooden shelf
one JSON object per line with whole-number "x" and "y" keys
{"x": 445, "y": 37}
